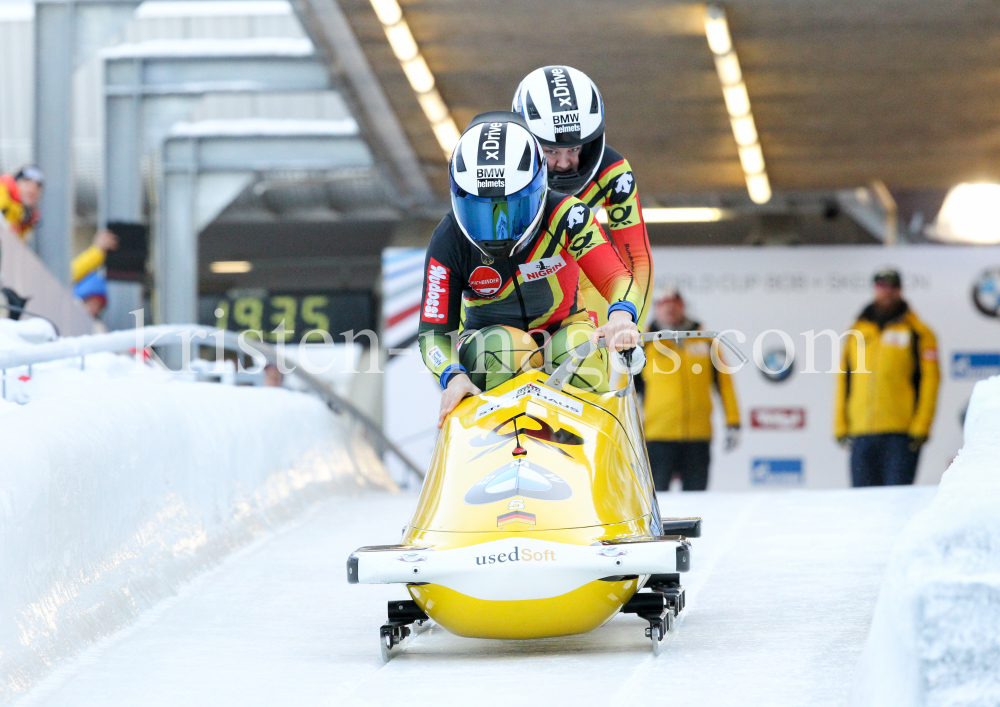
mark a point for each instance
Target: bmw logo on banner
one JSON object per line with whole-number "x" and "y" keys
{"x": 778, "y": 365}
{"x": 986, "y": 292}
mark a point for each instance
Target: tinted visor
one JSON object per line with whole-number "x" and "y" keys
{"x": 501, "y": 218}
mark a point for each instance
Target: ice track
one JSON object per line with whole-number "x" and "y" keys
{"x": 780, "y": 599}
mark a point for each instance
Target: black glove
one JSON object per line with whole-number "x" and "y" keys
{"x": 14, "y": 300}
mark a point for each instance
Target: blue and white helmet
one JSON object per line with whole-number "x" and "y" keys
{"x": 563, "y": 108}
{"x": 498, "y": 184}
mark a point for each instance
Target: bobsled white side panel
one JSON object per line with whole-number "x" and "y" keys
{"x": 519, "y": 568}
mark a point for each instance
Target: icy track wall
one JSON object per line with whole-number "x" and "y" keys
{"x": 118, "y": 485}
{"x": 935, "y": 636}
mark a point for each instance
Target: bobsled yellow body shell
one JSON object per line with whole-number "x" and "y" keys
{"x": 587, "y": 446}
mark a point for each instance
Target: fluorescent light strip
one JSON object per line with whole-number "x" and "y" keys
{"x": 230, "y": 267}
{"x": 734, "y": 91}
{"x": 688, "y": 214}
{"x": 404, "y": 46}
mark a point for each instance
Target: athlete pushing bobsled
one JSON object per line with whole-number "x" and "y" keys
{"x": 504, "y": 267}
{"x": 565, "y": 113}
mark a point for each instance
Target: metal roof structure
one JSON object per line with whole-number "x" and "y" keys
{"x": 843, "y": 92}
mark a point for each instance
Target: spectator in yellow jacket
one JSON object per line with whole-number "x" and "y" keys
{"x": 677, "y": 383}
{"x": 19, "y": 197}
{"x": 93, "y": 257}
{"x": 887, "y": 388}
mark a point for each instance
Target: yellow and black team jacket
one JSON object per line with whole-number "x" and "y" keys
{"x": 677, "y": 383}
{"x": 895, "y": 390}
{"x": 614, "y": 188}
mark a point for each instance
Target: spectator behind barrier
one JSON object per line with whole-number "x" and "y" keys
{"x": 677, "y": 383}
{"x": 19, "y": 197}
{"x": 91, "y": 259}
{"x": 886, "y": 398}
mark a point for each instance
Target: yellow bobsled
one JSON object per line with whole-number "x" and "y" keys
{"x": 538, "y": 517}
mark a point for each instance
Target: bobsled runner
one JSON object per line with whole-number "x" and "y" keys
{"x": 538, "y": 516}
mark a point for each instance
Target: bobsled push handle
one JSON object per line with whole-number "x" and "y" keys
{"x": 576, "y": 357}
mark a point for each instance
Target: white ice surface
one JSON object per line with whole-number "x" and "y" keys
{"x": 935, "y": 637}
{"x": 779, "y": 602}
{"x": 119, "y": 483}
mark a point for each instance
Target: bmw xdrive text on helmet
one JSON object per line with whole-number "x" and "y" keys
{"x": 498, "y": 184}
{"x": 563, "y": 108}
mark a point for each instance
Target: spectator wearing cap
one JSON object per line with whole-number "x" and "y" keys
{"x": 887, "y": 388}
{"x": 19, "y": 197}
{"x": 677, "y": 384}
{"x": 93, "y": 290}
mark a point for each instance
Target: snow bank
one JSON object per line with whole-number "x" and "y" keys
{"x": 119, "y": 483}
{"x": 935, "y": 636}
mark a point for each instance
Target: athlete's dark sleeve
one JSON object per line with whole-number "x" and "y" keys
{"x": 441, "y": 302}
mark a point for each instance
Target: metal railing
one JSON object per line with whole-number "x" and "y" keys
{"x": 191, "y": 335}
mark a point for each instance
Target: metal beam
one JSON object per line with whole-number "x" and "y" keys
{"x": 206, "y": 165}
{"x": 150, "y": 86}
{"x": 329, "y": 30}
{"x": 66, "y": 31}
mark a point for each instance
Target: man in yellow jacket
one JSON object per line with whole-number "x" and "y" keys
{"x": 887, "y": 388}
{"x": 677, "y": 383}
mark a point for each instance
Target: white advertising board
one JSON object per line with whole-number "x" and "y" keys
{"x": 787, "y": 437}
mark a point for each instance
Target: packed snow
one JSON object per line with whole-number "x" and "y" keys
{"x": 780, "y": 597}
{"x": 122, "y": 481}
{"x": 935, "y": 636}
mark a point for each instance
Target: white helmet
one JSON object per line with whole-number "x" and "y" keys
{"x": 563, "y": 108}
{"x": 498, "y": 184}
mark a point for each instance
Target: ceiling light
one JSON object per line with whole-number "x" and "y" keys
{"x": 759, "y": 188}
{"x": 405, "y": 47}
{"x": 402, "y": 42}
{"x": 687, "y": 214}
{"x": 752, "y": 159}
{"x": 744, "y": 130}
{"x": 728, "y": 68}
{"x": 434, "y": 108}
{"x": 737, "y": 100}
{"x": 970, "y": 214}
{"x": 231, "y": 267}
{"x": 388, "y": 11}
{"x": 717, "y": 30}
{"x": 734, "y": 92}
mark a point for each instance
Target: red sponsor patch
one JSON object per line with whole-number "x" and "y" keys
{"x": 485, "y": 281}
{"x": 778, "y": 418}
{"x": 436, "y": 296}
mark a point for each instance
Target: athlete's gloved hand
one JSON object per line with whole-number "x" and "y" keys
{"x": 459, "y": 388}
{"x": 620, "y": 332}
{"x": 916, "y": 442}
{"x": 732, "y": 438}
{"x": 845, "y": 442}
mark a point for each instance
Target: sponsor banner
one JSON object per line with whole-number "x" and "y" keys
{"x": 778, "y": 418}
{"x": 540, "y": 269}
{"x": 485, "y": 281}
{"x": 436, "y": 303}
{"x": 538, "y": 392}
{"x": 975, "y": 365}
{"x": 805, "y": 292}
{"x": 778, "y": 472}
{"x": 437, "y": 357}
